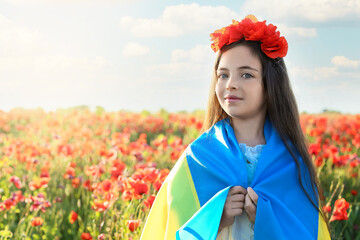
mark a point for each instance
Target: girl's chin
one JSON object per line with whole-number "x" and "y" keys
{"x": 235, "y": 114}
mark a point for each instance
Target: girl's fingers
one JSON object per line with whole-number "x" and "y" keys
{"x": 236, "y": 212}
{"x": 250, "y": 208}
{"x": 237, "y": 205}
{"x": 237, "y": 190}
{"x": 249, "y": 205}
{"x": 238, "y": 198}
{"x": 253, "y": 196}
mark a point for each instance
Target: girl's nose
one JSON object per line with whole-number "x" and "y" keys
{"x": 231, "y": 83}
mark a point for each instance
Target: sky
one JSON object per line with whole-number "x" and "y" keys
{"x": 147, "y": 55}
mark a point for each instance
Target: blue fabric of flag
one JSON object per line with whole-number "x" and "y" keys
{"x": 216, "y": 164}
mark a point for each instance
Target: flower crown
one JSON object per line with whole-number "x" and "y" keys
{"x": 251, "y": 29}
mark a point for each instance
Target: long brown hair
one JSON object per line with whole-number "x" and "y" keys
{"x": 281, "y": 109}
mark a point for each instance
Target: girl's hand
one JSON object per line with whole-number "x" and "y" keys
{"x": 234, "y": 206}
{"x": 251, "y": 199}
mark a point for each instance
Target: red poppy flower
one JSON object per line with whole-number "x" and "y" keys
{"x": 354, "y": 163}
{"x": 340, "y": 207}
{"x": 275, "y": 47}
{"x": 149, "y": 201}
{"x": 133, "y": 224}
{"x": 251, "y": 29}
{"x": 38, "y": 183}
{"x": 72, "y": 164}
{"x": 70, "y": 173}
{"x": 163, "y": 174}
{"x": 340, "y": 161}
{"x": 117, "y": 169}
{"x": 94, "y": 170}
{"x": 354, "y": 175}
{"x": 254, "y": 31}
{"x": 149, "y": 175}
{"x": 314, "y": 149}
{"x": 87, "y": 184}
{"x": 354, "y": 192}
{"x": 101, "y": 236}
{"x": 140, "y": 188}
{"x": 9, "y": 203}
{"x": 127, "y": 195}
{"x": 44, "y": 174}
{"x": 101, "y": 205}
{"x": 75, "y": 182}
{"x": 38, "y": 203}
{"x": 38, "y": 221}
{"x": 66, "y": 149}
{"x": 86, "y": 236}
{"x": 235, "y": 32}
{"x": 106, "y": 185}
{"x": 327, "y": 209}
{"x": 17, "y": 196}
{"x": 175, "y": 155}
{"x": 16, "y": 181}
{"x": 73, "y": 217}
{"x": 319, "y": 161}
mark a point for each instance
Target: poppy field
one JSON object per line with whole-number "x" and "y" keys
{"x": 81, "y": 174}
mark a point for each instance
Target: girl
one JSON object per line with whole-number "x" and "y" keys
{"x": 249, "y": 175}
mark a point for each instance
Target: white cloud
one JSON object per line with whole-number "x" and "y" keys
{"x": 25, "y": 52}
{"x": 178, "y": 20}
{"x": 341, "y": 61}
{"x": 317, "y": 74}
{"x": 149, "y": 27}
{"x": 65, "y": 2}
{"x": 172, "y": 69}
{"x": 325, "y": 72}
{"x": 319, "y": 88}
{"x": 18, "y": 40}
{"x": 48, "y": 64}
{"x": 310, "y": 10}
{"x": 297, "y": 32}
{"x": 185, "y": 65}
{"x": 48, "y": 81}
{"x": 134, "y": 50}
{"x": 198, "y": 54}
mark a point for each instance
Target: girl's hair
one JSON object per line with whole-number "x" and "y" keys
{"x": 281, "y": 109}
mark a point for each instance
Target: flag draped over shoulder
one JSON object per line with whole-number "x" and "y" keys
{"x": 190, "y": 202}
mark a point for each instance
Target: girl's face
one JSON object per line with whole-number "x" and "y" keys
{"x": 239, "y": 87}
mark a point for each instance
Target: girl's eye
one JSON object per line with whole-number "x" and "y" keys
{"x": 247, "y": 75}
{"x": 222, "y": 76}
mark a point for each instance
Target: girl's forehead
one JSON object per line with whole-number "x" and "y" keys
{"x": 239, "y": 56}
{"x": 239, "y": 66}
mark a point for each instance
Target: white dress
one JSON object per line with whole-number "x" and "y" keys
{"x": 242, "y": 228}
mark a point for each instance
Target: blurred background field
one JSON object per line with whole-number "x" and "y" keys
{"x": 81, "y": 174}
{"x": 91, "y": 173}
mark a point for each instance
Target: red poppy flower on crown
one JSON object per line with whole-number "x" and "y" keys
{"x": 251, "y": 29}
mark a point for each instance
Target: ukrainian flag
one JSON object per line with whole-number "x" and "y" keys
{"x": 190, "y": 202}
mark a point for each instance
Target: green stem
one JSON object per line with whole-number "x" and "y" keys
{"x": 26, "y": 210}
{"x": 333, "y": 194}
